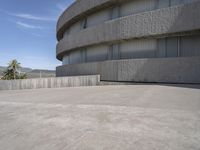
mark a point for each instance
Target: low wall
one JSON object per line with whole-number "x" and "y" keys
{"x": 160, "y": 70}
{"x": 59, "y": 82}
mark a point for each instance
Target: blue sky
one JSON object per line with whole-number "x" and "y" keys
{"x": 28, "y": 32}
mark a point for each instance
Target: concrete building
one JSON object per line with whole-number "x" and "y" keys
{"x": 131, "y": 40}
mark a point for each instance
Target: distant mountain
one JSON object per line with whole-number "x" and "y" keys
{"x": 2, "y": 68}
{"x": 37, "y": 73}
{"x": 26, "y": 69}
{"x": 33, "y": 73}
{"x": 43, "y": 71}
{"x": 1, "y": 72}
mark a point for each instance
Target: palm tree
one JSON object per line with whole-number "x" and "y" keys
{"x": 12, "y": 72}
{"x": 14, "y": 66}
{"x": 7, "y": 75}
{"x": 23, "y": 76}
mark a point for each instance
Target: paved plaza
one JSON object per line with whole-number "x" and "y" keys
{"x": 125, "y": 117}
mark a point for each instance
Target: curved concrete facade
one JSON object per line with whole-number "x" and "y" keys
{"x": 98, "y": 36}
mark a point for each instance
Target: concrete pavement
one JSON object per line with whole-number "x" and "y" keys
{"x": 131, "y": 117}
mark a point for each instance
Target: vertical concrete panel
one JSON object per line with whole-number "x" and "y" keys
{"x": 172, "y": 46}
{"x": 114, "y": 52}
{"x": 178, "y": 2}
{"x": 75, "y": 28}
{"x": 98, "y": 18}
{"x": 75, "y": 57}
{"x": 144, "y": 48}
{"x": 115, "y": 12}
{"x": 66, "y": 33}
{"x": 65, "y": 60}
{"x": 83, "y": 55}
{"x": 161, "y": 52}
{"x": 190, "y": 46}
{"x": 110, "y": 52}
{"x": 137, "y": 6}
{"x": 163, "y": 3}
{"x": 97, "y": 53}
{"x": 84, "y": 23}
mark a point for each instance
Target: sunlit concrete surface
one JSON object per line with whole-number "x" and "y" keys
{"x": 133, "y": 117}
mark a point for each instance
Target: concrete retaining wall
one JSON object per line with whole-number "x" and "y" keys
{"x": 165, "y": 70}
{"x": 50, "y": 82}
